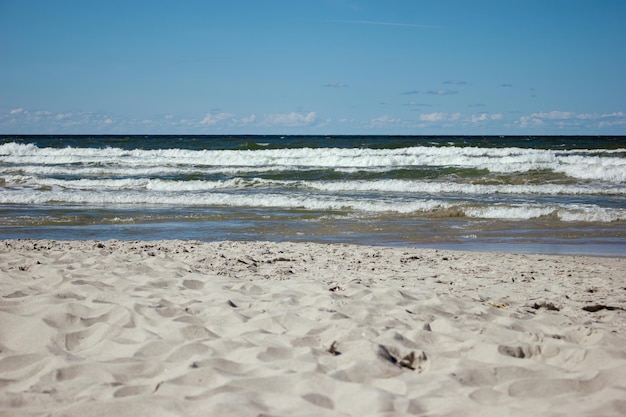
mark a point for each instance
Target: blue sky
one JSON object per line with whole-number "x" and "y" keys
{"x": 313, "y": 67}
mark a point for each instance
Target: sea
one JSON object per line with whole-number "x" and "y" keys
{"x": 525, "y": 194}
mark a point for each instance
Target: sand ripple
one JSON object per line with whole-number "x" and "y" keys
{"x": 248, "y": 329}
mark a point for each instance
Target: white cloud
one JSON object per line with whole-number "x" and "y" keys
{"x": 529, "y": 121}
{"x": 613, "y": 119}
{"x": 433, "y": 117}
{"x": 483, "y": 117}
{"x": 457, "y": 120}
{"x": 540, "y": 119}
{"x": 616, "y": 114}
{"x": 384, "y": 120}
{"x": 479, "y": 118}
{"x": 289, "y": 119}
{"x": 62, "y": 116}
{"x": 553, "y": 115}
{"x": 23, "y": 120}
{"x": 212, "y": 119}
{"x": 247, "y": 120}
{"x": 589, "y": 122}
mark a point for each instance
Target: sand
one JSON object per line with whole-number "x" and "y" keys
{"x": 179, "y": 328}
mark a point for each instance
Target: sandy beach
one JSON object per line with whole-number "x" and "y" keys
{"x": 183, "y": 328}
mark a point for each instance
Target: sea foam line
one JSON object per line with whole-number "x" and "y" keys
{"x": 424, "y": 206}
{"x": 599, "y": 165}
{"x": 391, "y": 185}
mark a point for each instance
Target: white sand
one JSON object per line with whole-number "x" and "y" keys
{"x": 245, "y": 329}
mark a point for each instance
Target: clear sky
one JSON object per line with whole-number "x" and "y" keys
{"x": 313, "y": 67}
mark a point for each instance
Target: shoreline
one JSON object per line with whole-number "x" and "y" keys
{"x": 246, "y": 328}
{"x": 598, "y": 246}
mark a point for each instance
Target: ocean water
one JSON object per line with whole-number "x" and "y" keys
{"x": 524, "y": 194}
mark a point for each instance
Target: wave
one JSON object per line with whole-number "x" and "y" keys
{"x": 381, "y": 186}
{"x": 602, "y": 165}
{"x": 405, "y": 186}
{"x": 424, "y": 206}
{"x": 579, "y": 185}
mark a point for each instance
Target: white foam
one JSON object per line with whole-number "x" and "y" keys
{"x": 111, "y": 176}
{"x": 592, "y": 164}
{"x": 129, "y": 184}
{"x": 591, "y": 213}
{"x": 391, "y": 185}
{"x": 432, "y": 187}
{"x": 319, "y": 202}
{"x": 323, "y": 202}
{"x": 384, "y": 186}
{"x": 521, "y": 212}
{"x": 566, "y": 213}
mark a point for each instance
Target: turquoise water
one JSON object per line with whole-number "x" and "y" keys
{"x": 537, "y": 194}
